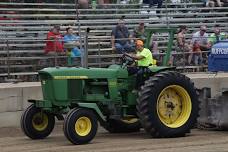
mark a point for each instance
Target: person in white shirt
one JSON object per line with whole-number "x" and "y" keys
{"x": 201, "y": 38}
{"x": 199, "y": 43}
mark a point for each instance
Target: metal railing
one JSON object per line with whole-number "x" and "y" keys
{"x": 85, "y": 44}
{"x": 56, "y": 57}
{"x": 160, "y": 54}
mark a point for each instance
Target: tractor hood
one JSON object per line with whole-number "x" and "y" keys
{"x": 113, "y": 71}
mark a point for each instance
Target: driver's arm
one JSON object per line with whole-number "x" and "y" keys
{"x": 138, "y": 57}
{"x": 135, "y": 57}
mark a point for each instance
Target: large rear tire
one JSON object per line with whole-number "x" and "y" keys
{"x": 123, "y": 126}
{"x": 168, "y": 105}
{"x": 37, "y": 124}
{"x": 80, "y": 126}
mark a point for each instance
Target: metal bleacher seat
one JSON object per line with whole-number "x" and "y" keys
{"x": 23, "y": 32}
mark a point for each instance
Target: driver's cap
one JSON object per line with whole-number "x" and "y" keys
{"x": 139, "y": 43}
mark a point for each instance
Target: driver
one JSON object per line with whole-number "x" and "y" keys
{"x": 143, "y": 55}
{"x": 143, "y": 59}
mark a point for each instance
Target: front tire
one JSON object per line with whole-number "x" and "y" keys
{"x": 80, "y": 126}
{"x": 168, "y": 105}
{"x": 37, "y": 124}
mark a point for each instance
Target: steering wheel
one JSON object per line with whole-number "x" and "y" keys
{"x": 127, "y": 60}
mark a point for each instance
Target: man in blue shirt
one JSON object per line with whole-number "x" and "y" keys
{"x": 121, "y": 38}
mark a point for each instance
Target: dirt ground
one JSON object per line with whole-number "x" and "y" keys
{"x": 13, "y": 140}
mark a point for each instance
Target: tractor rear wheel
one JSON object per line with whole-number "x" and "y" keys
{"x": 168, "y": 105}
{"x": 123, "y": 126}
{"x": 80, "y": 126}
{"x": 37, "y": 124}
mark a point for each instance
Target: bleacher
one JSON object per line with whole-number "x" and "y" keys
{"x": 24, "y": 26}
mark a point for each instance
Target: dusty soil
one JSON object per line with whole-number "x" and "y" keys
{"x": 13, "y": 140}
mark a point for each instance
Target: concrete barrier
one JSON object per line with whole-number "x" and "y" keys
{"x": 13, "y": 97}
{"x": 215, "y": 81}
{"x": 13, "y": 100}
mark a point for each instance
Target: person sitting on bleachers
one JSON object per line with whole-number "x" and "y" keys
{"x": 72, "y": 44}
{"x": 54, "y": 47}
{"x": 225, "y": 3}
{"x": 139, "y": 32}
{"x": 216, "y": 36}
{"x": 157, "y": 57}
{"x": 102, "y": 2}
{"x": 153, "y": 2}
{"x": 83, "y": 4}
{"x": 213, "y": 3}
{"x": 199, "y": 43}
{"x": 54, "y": 41}
{"x": 121, "y": 38}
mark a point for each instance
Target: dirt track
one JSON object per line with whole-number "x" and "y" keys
{"x": 12, "y": 140}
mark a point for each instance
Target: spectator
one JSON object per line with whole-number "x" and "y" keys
{"x": 153, "y": 2}
{"x": 121, "y": 38}
{"x": 54, "y": 41}
{"x": 155, "y": 51}
{"x": 199, "y": 43}
{"x": 8, "y": 18}
{"x": 216, "y": 36}
{"x": 124, "y": 1}
{"x": 139, "y": 32}
{"x": 225, "y": 3}
{"x": 83, "y": 4}
{"x": 72, "y": 44}
{"x": 101, "y": 2}
{"x": 175, "y": 1}
{"x": 213, "y": 3}
{"x": 154, "y": 45}
{"x": 182, "y": 46}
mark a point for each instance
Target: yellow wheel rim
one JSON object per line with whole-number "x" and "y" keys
{"x": 40, "y": 121}
{"x": 83, "y": 126}
{"x": 174, "y": 106}
{"x": 130, "y": 120}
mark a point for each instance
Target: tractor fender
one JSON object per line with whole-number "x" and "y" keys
{"x": 94, "y": 107}
{"x": 161, "y": 68}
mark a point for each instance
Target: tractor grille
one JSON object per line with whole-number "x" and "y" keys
{"x": 75, "y": 89}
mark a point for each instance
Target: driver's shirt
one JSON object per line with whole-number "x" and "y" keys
{"x": 147, "y": 60}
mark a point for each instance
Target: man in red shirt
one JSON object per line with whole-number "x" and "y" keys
{"x": 54, "y": 41}
{"x": 54, "y": 46}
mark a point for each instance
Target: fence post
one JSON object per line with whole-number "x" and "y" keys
{"x": 184, "y": 55}
{"x": 166, "y": 14}
{"x": 85, "y": 56}
{"x": 99, "y": 52}
{"x": 79, "y": 31}
{"x": 8, "y": 58}
{"x": 55, "y": 54}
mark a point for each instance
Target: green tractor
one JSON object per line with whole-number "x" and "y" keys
{"x": 166, "y": 105}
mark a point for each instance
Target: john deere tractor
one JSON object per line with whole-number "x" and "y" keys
{"x": 166, "y": 104}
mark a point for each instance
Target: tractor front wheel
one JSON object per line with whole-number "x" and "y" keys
{"x": 37, "y": 124}
{"x": 168, "y": 105}
{"x": 80, "y": 126}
